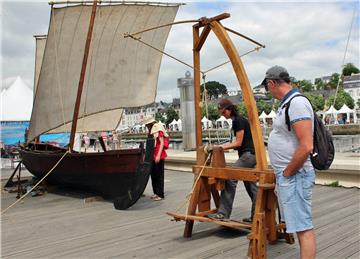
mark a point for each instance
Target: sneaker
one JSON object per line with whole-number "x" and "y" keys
{"x": 153, "y": 196}
{"x": 217, "y": 216}
{"x": 248, "y": 220}
{"x": 157, "y": 198}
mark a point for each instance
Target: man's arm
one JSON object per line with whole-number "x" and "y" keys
{"x": 304, "y": 134}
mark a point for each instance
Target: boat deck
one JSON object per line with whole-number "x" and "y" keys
{"x": 61, "y": 225}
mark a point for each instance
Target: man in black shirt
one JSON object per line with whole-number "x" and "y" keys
{"x": 244, "y": 145}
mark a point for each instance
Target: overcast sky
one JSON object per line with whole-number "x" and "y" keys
{"x": 308, "y": 38}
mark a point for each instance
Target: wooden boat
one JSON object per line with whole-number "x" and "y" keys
{"x": 89, "y": 73}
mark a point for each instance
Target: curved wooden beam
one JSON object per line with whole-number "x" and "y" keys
{"x": 248, "y": 97}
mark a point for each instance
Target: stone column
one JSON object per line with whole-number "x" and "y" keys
{"x": 186, "y": 86}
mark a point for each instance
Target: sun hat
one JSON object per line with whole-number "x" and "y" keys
{"x": 276, "y": 73}
{"x": 149, "y": 119}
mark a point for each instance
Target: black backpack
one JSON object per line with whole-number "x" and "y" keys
{"x": 324, "y": 152}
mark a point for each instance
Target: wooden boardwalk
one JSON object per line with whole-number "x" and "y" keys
{"x": 62, "y": 225}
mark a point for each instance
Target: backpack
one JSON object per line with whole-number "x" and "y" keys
{"x": 323, "y": 147}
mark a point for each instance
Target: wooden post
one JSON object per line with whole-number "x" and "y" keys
{"x": 82, "y": 76}
{"x": 264, "y": 225}
{"x": 220, "y": 32}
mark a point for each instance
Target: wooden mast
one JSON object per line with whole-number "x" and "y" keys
{"x": 82, "y": 76}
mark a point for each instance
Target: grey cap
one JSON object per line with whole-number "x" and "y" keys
{"x": 276, "y": 73}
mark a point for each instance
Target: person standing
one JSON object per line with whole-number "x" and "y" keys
{"x": 289, "y": 156}
{"x": 157, "y": 171}
{"x": 244, "y": 145}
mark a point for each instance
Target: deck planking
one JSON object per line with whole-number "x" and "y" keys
{"x": 62, "y": 225}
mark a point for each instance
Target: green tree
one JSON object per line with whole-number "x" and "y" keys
{"x": 349, "y": 69}
{"x": 358, "y": 102}
{"x": 214, "y": 89}
{"x": 159, "y": 117}
{"x": 319, "y": 84}
{"x": 263, "y": 106}
{"x": 317, "y": 101}
{"x": 341, "y": 99}
{"x": 334, "y": 81}
{"x": 212, "y": 111}
{"x": 242, "y": 109}
{"x": 171, "y": 114}
{"x": 304, "y": 85}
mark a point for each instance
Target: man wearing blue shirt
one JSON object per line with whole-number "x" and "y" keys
{"x": 289, "y": 156}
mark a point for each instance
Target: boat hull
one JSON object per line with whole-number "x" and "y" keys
{"x": 119, "y": 175}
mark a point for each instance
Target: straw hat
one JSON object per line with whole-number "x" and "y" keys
{"x": 148, "y": 120}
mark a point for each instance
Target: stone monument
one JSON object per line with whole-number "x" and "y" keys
{"x": 186, "y": 86}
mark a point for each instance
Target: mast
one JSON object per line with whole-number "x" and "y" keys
{"x": 82, "y": 76}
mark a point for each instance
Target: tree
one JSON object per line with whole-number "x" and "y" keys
{"x": 334, "y": 81}
{"x": 304, "y": 85}
{"x": 349, "y": 69}
{"x": 171, "y": 114}
{"x": 319, "y": 84}
{"x": 214, "y": 89}
{"x": 317, "y": 101}
{"x": 242, "y": 109}
{"x": 263, "y": 106}
{"x": 159, "y": 117}
{"x": 358, "y": 102}
{"x": 341, "y": 99}
{"x": 212, "y": 111}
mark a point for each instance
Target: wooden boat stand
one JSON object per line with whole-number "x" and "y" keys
{"x": 213, "y": 174}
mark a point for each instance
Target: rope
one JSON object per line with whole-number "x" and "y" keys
{"x": 246, "y": 53}
{"x": 206, "y": 104}
{"x": 343, "y": 61}
{"x": 188, "y": 197}
{"x": 22, "y": 197}
{"x": 160, "y": 26}
{"x": 166, "y": 54}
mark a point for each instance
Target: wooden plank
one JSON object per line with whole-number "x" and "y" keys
{"x": 225, "y": 223}
{"x": 245, "y": 174}
{"x": 202, "y": 38}
{"x": 56, "y": 225}
{"x": 248, "y": 96}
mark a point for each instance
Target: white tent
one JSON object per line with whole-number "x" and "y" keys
{"x": 16, "y": 102}
{"x": 271, "y": 115}
{"x": 179, "y": 124}
{"x": 223, "y": 123}
{"x": 263, "y": 116}
{"x": 173, "y": 125}
{"x": 331, "y": 110}
{"x": 347, "y": 110}
{"x": 206, "y": 123}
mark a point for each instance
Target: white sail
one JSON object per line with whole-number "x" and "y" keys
{"x": 39, "y": 54}
{"x": 120, "y": 72}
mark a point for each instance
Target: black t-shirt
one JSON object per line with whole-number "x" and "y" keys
{"x": 240, "y": 123}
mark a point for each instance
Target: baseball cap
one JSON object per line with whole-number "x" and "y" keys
{"x": 276, "y": 73}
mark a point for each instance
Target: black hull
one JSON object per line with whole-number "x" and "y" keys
{"x": 118, "y": 175}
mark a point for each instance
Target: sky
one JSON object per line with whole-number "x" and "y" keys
{"x": 309, "y": 38}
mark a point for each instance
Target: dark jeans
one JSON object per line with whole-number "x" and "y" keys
{"x": 227, "y": 196}
{"x": 157, "y": 178}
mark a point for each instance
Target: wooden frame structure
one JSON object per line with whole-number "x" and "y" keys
{"x": 211, "y": 180}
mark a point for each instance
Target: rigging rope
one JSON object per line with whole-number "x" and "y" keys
{"x": 42, "y": 179}
{"x": 188, "y": 197}
{"x": 343, "y": 61}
